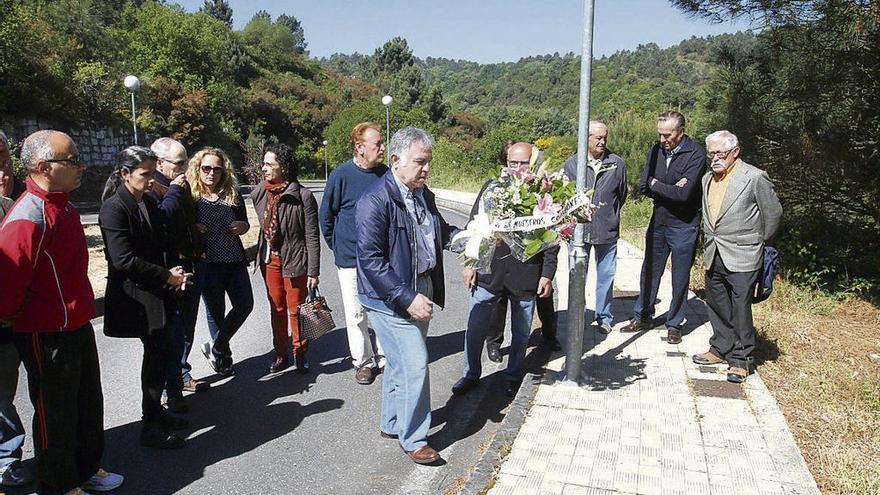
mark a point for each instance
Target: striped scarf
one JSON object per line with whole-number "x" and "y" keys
{"x": 270, "y": 216}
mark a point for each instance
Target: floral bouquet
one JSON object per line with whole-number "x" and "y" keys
{"x": 530, "y": 210}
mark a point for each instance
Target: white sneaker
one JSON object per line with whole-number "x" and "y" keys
{"x": 102, "y": 481}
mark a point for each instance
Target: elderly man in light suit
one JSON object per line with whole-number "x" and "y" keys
{"x": 741, "y": 213}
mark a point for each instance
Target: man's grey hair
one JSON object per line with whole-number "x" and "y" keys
{"x": 672, "y": 116}
{"x": 37, "y": 147}
{"x": 403, "y": 140}
{"x": 162, "y": 147}
{"x": 597, "y": 123}
{"x": 725, "y": 138}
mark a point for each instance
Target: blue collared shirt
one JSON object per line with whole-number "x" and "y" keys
{"x": 426, "y": 258}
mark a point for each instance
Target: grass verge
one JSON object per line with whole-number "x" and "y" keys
{"x": 813, "y": 349}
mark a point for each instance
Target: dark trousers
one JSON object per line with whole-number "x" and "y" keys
{"x": 154, "y": 368}
{"x": 182, "y": 323}
{"x": 218, "y": 281}
{"x": 660, "y": 242}
{"x": 64, "y": 383}
{"x": 729, "y": 298}
{"x": 546, "y": 313}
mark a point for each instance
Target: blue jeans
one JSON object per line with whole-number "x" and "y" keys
{"x": 606, "y": 266}
{"x": 482, "y": 307}
{"x": 406, "y": 386}
{"x": 182, "y": 318}
{"x": 218, "y": 280}
{"x": 11, "y": 429}
{"x": 660, "y": 241}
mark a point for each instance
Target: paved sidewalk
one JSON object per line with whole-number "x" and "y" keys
{"x": 646, "y": 419}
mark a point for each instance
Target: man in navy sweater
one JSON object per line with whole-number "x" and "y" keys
{"x": 344, "y": 188}
{"x": 671, "y": 178}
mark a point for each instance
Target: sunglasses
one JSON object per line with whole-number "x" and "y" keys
{"x": 207, "y": 170}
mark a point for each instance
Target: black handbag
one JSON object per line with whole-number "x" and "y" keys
{"x": 314, "y": 316}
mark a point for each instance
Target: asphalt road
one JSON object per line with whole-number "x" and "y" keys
{"x": 289, "y": 433}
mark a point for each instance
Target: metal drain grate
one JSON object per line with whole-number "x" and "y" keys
{"x": 718, "y": 388}
{"x": 675, "y": 354}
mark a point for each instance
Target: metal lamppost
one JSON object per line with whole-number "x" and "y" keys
{"x": 132, "y": 84}
{"x": 578, "y": 257}
{"x": 386, "y": 100}
{"x": 325, "y": 161}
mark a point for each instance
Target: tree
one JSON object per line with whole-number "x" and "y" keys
{"x": 218, "y": 9}
{"x": 296, "y": 30}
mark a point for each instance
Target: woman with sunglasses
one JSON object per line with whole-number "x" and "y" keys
{"x": 221, "y": 217}
{"x": 140, "y": 284}
{"x": 288, "y": 250}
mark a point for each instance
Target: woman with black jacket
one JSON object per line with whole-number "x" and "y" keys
{"x": 138, "y": 284}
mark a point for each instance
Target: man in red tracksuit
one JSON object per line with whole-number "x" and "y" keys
{"x": 49, "y": 301}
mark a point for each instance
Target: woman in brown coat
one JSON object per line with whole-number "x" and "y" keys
{"x": 288, "y": 250}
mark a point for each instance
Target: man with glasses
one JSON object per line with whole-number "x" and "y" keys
{"x": 173, "y": 197}
{"x": 12, "y": 471}
{"x": 521, "y": 282}
{"x": 742, "y": 213}
{"x": 344, "y": 188}
{"x": 671, "y": 179}
{"x": 49, "y": 301}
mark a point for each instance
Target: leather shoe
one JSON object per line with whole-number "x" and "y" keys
{"x": 364, "y": 375}
{"x": 464, "y": 386}
{"x": 424, "y": 455}
{"x": 494, "y": 354}
{"x": 156, "y": 438}
{"x": 707, "y": 358}
{"x": 604, "y": 328}
{"x": 512, "y": 388}
{"x": 280, "y": 363}
{"x": 673, "y": 336}
{"x": 171, "y": 422}
{"x": 195, "y": 386}
{"x": 737, "y": 375}
{"x": 636, "y": 326}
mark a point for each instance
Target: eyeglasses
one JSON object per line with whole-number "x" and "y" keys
{"x": 374, "y": 143}
{"x": 176, "y": 163}
{"x": 73, "y": 162}
{"x": 207, "y": 170}
{"x": 517, "y": 163}
{"x": 720, "y": 154}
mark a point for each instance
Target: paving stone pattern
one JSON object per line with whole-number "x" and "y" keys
{"x": 636, "y": 424}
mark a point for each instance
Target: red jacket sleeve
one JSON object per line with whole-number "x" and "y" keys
{"x": 20, "y": 245}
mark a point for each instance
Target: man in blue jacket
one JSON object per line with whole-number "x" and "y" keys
{"x": 400, "y": 241}
{"x": 671, "y": 178}
{"x": 344, "y": 188}
{"x": 606, "y": 176}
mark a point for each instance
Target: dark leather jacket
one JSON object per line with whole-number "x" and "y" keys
{"x": 297, "y": 227}
{"x": 386, "y": 240}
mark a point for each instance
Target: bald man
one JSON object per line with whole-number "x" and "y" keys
{"x": 48, "y": 299}
{"x": 521, "y": 282}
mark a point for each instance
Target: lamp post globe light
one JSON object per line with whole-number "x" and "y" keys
{"x": 325, "y": 161}
{"x": 132, "y": 84}
{"x": 386, "y": 100}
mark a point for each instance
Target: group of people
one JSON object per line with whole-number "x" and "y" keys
{"x": 172, "y": 228}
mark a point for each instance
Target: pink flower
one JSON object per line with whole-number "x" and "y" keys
{"x": 546, "y": 206}
{"x": 546, "y": 184}
{"x": 566, "y": 230}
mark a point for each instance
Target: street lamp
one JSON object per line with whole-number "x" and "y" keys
{"x": 386, "y": 100}
{"x": 132, "y": 84}
{"x": 325, "y": 161}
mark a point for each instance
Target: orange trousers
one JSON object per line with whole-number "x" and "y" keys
{"x": 285, "y": 296}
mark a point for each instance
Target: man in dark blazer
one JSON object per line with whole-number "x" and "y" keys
{"x": 742, "y": 213}
{"x": 671, "y": 178}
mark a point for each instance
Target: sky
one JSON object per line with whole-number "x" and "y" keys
{"x": 484, "y": 31}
